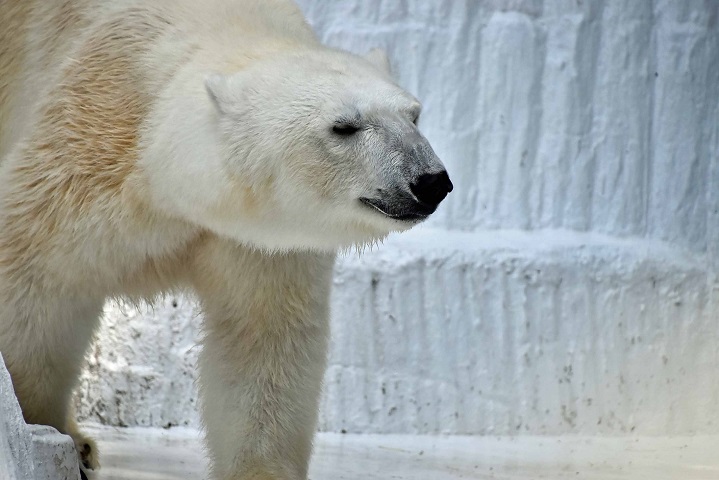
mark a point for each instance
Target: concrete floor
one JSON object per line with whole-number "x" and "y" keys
{"x": 176, "y": 454}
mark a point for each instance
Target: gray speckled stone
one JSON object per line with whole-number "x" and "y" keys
{"x": 31, "y": 452}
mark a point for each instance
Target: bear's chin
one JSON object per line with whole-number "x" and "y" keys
{"x": 360, "y": 237}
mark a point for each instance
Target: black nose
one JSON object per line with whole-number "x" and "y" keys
{"x": 431, "y": 188}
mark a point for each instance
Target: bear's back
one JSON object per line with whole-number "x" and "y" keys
{"x": 33, "y": 37}
{"x": 108, "y": 53}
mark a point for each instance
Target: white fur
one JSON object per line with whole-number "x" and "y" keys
{"x": 243, "y": 145}
{"x": 184, "y": 144}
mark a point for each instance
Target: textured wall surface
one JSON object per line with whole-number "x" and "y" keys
{"x": 585, "y": 115}
{"x": 568, "y": 284}
{"x": 498, "y": 332}
{"x": 31, "y": 452}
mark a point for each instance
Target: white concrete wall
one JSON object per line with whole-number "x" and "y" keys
{"x": 585, "y": 115}
{"x": 31, "y": 452}
{"x": 568, "y": 284}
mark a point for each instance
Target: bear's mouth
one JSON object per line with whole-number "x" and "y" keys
{"x": 416, "y": 213}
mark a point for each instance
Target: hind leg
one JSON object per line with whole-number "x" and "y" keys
{"x": 43, "y": 339}
{"x": 86, "y": 446}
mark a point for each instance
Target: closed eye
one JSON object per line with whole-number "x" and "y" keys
{"x": 345, "y": 130}
{"x": 414, "y": 113}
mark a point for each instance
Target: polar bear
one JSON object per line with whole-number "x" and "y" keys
{"x": 215, "y": 146}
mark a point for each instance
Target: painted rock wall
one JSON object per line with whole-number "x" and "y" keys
{"x": 31, "y": 452}
{"x": 568, "y": 284}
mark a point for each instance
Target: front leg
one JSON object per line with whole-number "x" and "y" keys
{"x": 263, "y": 358}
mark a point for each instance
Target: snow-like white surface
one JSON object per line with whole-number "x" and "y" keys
{"x": 500, "y": 332}
{"x": 31, "y": 452}
{"x": 584, "y": 115}
{"x": 567, "y": 285}
{"x": 140, "y": 453}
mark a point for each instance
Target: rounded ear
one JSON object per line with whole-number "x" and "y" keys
{"x": 224, "y": 91}
{"x": 379, "y": 59}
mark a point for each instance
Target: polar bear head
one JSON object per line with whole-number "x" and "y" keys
{"x": 318, "y": 149}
